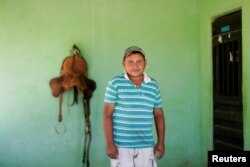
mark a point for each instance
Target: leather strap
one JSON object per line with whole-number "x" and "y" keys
{"x": 60, "y": 127}
{"x": 60, "y": 108}
{"x": 87, "y": 139}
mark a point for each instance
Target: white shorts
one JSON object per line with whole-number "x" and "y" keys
{"x": 130, "y": 157}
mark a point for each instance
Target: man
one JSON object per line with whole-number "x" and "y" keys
{"x": 132, "y": 104}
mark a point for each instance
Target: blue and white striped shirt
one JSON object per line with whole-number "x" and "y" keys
{"x": 133, "y": 112}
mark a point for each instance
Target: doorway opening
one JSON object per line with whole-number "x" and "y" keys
{"x": 227, "y": 83}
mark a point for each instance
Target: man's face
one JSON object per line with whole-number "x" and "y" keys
{"x": 134, "y": 64}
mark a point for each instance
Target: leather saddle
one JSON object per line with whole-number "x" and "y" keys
{"x": 74, "y": 74}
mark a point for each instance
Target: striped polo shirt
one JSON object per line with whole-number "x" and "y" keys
{"x": 133, "y": 113}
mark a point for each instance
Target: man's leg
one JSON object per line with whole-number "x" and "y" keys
{"x": 144, "y": 157}
{"x": 125, "y": 158}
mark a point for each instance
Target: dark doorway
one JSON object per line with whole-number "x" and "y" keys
{"x": 227, "y": 83}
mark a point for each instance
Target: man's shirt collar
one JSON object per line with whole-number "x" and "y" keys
{"x": 145, "y": 79}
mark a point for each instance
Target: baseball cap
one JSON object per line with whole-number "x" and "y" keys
{"x": 132, "y": 49}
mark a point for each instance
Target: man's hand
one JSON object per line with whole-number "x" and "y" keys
{"x": 159, "y": 150}
{"x": 112, "y": 151}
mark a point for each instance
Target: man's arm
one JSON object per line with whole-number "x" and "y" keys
{"x": 160, "y": 130}
{"x": 111, "y": 149}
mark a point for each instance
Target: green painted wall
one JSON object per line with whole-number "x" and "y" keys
{"x": 36, "y": 35}
{"x": 208, "y": 11}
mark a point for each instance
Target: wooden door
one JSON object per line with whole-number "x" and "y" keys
{"x": 227, "y": 83}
